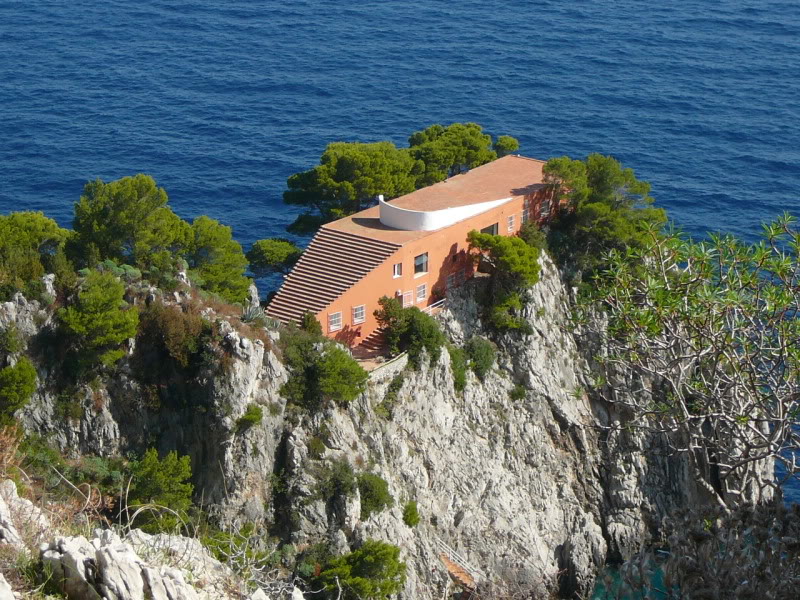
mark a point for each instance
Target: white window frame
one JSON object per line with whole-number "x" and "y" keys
{"x": 544, "y": 208}
{"x": 332, "y": 318}
{"x": 526, "y": 211}
{"x": 397, "y": 270}
{"x": 425, "y": 264}
{"x": 422, "y": 292}
{"x": 362, "y": 308}
{"x": 510, "y": 222}
{"x": 408, "y": 298}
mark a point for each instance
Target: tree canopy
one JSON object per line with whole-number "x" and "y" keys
{"x": 373, "y": 572}
{"x": 352, "y": 174}
{"x": 445, "y": 151}
{"x": 218, "y": 259}
{"x": 17, "y": 385}
{"x": 273, "y": 255}
{"x": 702, "y": 340}
{"x": 98, "y": 320}
{"x": 26, "y": 240}
{"x": 611, "y": 209}
{"x": 514, "y": 265}
{"x": 127, "y": 220}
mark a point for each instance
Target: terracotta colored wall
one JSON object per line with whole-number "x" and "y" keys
{"x": 447, "y": 253}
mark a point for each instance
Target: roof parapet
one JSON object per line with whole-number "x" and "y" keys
{"x": 431, "y": 220}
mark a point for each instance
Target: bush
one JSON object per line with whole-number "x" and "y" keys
{"x": 10, "y": 341}
{"x": 518, "y": 393}
{"x": 179, "y": 331}
{"x": 375, "y": 496}
{"x": 341, "y": 378}
{"x": 316, "y": 448}
{"x": 252, "y": 416}
{"x": 162, "y": 482}
{"x": 533, "y": 236}
{"x": 482, "y": 355}
{"x": 320, "y": 372}
{"x": 411, "y": 514}
{"x": 373, "y": 572}
{"x": 386, "y": 407}
{"x": 336, "y": 479}
{"x": 17, "y": 385}
{"x": 458, "y": 362}
{"x": 409, "y": 330}
{"x": 96, "y": 321}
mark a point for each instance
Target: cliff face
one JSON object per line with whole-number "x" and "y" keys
{"x": 538, "y": 491}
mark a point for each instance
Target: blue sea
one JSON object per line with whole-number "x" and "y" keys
{"x": 222, "y": 101}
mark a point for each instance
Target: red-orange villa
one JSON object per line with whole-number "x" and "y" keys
{"x": 413, "y": 247}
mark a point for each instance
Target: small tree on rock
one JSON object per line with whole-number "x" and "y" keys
{"x": 99, "y": 320}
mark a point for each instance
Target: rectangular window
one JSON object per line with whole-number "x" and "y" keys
{"x": 398, "y": 270}
{"x": 422, "y": 292}
{"x": 421, "y": 264}
{"x": 544, "y": 208}
{"x": 335, "y": 321}
{"x": 526, "y": 211}
{"x": 359, "y": 314}
{"x": 511, "y": 223}
{"x": 451, "y": 281}
{"x": 408, "y": 298}
{"x": 491, "y": 229}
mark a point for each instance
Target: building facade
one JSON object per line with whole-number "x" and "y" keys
{"x": 413, "y": 248}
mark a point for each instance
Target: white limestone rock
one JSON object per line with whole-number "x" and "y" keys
{"x": 5, "y": 590}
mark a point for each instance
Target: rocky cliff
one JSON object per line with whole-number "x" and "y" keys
{"x": 537, "y": 491}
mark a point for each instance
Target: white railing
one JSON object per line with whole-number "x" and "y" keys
{"x": 437, "y": 304}
{"x": 459, "y": 560}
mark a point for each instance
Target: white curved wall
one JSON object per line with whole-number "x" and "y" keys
{"x": 430, "y": 220}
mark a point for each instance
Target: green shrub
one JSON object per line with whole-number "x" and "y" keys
{"x": 310, "y": 561}
{"x": 68, "y": 407}
{"x": 310, "y": 324}
{"x": 411, "y": 514}
{"x": 375, "y": 496}
{"x": 17, "y": 385}
{"x": 458, "y": 362}
{"x": 341, "y": 378}
{"x": 386, "y": 408}
{"x": 409, "y": 330}
{"x": 316, "y": 448}
{"x": 320, "y": 372}
{"x": 533, "y": 236}
{"x": 252, "y": 416}
{"x": 97, "y": 323}
{"x": 179, "y": 331}
{"x": 518, "y": 393}
{"x": 336, "y": 478}
{"x": 10, "y": 340}
{"x": 373, "y": 572}
{"x": 482, "y": 355}
{"x": 162, "y": 482}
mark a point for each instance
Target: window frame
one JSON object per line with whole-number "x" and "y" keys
{"x": 357, "y": 320}
{"x": 491, "y": 229}
{"x": 410, "y": 295}
{"x": 397, "y": 270}
{"x": 510, "y": 222}
{"x": 422, "y": 287}
{"x": 423, "y": 264}
{"x": 331, "y": 326}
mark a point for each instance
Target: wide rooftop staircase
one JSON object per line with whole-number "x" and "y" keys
{"x": 333, "y": 262}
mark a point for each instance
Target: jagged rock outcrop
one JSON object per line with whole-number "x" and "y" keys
{"x": 108, "y": 567}
{"x": 539, "y": 491}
